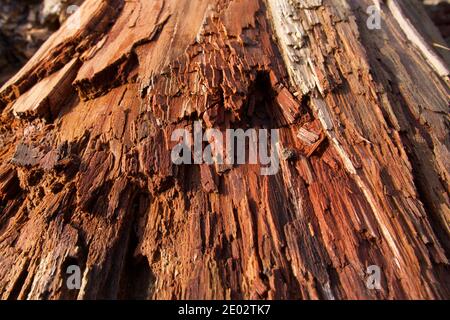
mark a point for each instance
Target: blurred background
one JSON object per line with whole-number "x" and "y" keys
{"x": 24, "y": 26}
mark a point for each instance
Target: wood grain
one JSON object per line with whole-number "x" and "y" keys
{"x": 86, "y": 176}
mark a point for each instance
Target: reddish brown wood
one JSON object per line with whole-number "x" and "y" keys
{"x": 86, "y": 176}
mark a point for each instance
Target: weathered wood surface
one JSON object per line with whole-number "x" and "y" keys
{"x": 86, "y": 176}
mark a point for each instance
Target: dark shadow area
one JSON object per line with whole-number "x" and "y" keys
{"x": 440, "y": 14}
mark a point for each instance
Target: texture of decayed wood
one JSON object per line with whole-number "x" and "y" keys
{"x": 86, "y": 176}
{"x": 47, "y": 94}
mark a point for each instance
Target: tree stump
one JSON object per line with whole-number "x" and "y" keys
{"x": 362, "y": 111}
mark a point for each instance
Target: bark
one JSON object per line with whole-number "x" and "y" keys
{"x": 86, "y": 177}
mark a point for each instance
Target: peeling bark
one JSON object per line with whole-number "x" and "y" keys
{"x": 86, "y": 176}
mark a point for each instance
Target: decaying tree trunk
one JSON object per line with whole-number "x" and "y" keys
{"x": 86, "y": 176}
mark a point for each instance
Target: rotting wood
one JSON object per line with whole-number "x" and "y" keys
{"x": 91, "y": 181}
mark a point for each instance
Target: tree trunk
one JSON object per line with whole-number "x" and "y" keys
{"x": 86, "y": 176}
